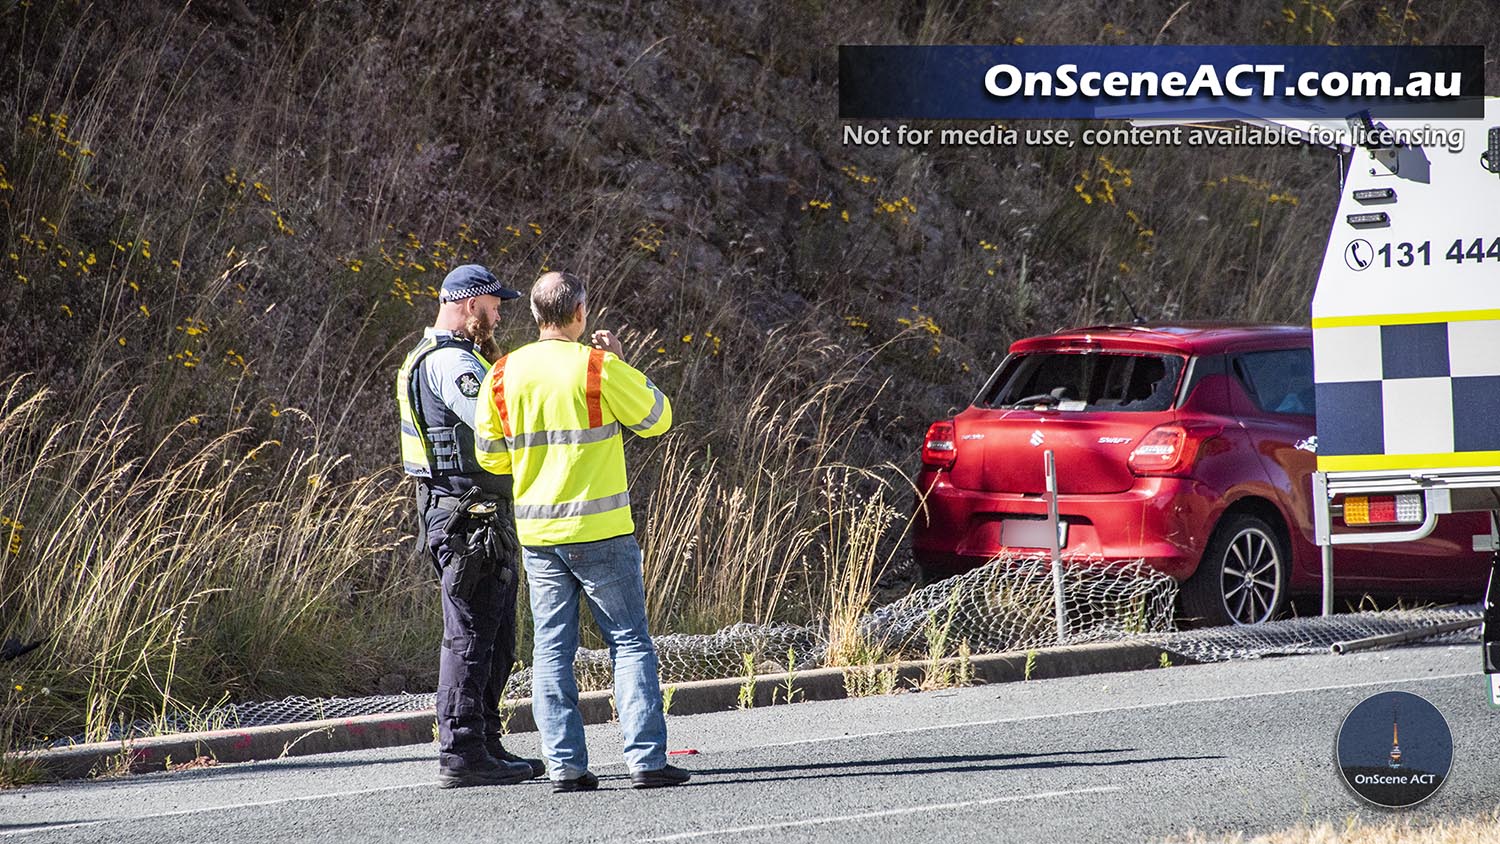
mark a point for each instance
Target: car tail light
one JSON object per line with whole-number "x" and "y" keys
{"x": 1169, "y": 449}
{"x": 1404, "y": 509}
{"x": 939, "y": 450}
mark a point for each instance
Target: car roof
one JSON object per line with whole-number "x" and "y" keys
{"x": 1185, "y": 337}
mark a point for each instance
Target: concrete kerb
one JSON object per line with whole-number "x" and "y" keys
{"x": 253, "y": 744}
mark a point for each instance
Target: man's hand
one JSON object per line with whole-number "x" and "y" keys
{"x": 606, "y": 340}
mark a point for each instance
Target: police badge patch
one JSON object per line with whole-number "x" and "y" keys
{"x": 468, "y": 384}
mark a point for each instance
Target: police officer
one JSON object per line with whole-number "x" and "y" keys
{"x": 465, "y": 524}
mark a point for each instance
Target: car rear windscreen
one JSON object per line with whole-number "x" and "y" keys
{"x": 1101, "y": 380}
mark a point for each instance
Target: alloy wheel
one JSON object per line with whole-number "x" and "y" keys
{"x": 1251, "y": 582}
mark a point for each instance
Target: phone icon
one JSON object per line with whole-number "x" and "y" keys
{"x": 1359, "y": 254}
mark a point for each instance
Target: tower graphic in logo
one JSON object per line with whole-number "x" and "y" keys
{"x": 1395, "y": 741}
{"x": 1394, "y": 749}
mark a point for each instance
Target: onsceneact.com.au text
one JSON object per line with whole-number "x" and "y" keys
{"x": 1241, "y": 80}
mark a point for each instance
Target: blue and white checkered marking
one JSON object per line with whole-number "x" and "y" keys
{"x": 1430, "y": 388}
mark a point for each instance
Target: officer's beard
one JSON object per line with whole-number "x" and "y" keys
{"x": 479, "y": 329}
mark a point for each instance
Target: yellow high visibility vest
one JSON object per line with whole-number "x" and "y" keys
{"x": 550, "y": 414}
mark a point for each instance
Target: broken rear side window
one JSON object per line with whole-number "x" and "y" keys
{"x": 1099, "y": 380}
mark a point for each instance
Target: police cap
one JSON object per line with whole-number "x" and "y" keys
{"x": 472, "y": 280}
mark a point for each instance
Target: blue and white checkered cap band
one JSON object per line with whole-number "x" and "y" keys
{"x": 492, "y": 288}
{"x": 470, "y": 280}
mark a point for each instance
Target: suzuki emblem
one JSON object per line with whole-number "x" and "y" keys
{"x": 1037, "y": 438}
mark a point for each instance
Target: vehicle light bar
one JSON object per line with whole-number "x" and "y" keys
{"x": 1403, "y": 509}
{"x": 1373, "y": 218}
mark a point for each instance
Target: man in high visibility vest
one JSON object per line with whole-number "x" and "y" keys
{"x": 551, "y": 413}
{"x": 464, "y": 525}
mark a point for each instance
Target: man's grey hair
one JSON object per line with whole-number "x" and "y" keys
{"x": 555, "y": 296}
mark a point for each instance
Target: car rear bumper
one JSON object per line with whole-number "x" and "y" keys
{"x": 1160, "y": 520}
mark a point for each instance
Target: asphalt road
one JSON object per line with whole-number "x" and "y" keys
{"x": 1113, "y": 757}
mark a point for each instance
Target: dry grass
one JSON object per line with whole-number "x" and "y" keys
{"x": 1403, "y": 829}
{"x": 201, "y": 568}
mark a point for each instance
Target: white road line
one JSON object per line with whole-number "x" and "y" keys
{"x": 931, "y": 727}
{"x": 887, "y": 813}
{"x": 848, "y": 737}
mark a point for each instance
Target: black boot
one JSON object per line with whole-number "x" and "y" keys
{"x": 498, "y": 751}
{"x": 495, "y": 772}
{"x": 662, "y": 777}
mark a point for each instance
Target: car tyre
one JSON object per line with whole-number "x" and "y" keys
{"x": 1243, "y": 577}
{"x": 926, "y": 577}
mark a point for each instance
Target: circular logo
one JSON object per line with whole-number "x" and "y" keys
{"x": 1394, "y": 749}
{"x": 1359, "y": 254}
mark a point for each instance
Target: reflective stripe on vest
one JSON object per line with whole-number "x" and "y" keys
{"x": 500, "y": 396}
{"x": 574, "y": 437}
{"x": 655, "y": 415}
{"x": 573, "y": 509}
{"x": 592, "y": 387}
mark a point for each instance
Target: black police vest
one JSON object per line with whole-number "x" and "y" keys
{"x": 449, "y": 439}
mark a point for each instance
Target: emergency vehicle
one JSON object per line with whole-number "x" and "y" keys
{"x": 1406, "y": 340}
{"x": 1406, "y": 337}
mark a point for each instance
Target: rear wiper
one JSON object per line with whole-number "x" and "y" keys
{"x": 1039, "y": 398}
{"x": 1049, "y": 398}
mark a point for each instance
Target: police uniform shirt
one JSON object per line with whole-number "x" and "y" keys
{"x": 454, "y": 374}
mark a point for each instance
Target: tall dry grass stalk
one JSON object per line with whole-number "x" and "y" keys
{"x": 856, "y": 553}
{"x": 211, "y": 566}
{"x": 763, "y": 520}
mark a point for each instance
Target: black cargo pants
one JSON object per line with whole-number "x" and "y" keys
{"x": 478, "y": 651}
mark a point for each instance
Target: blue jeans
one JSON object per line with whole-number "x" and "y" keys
{"x": 607, "y": 574}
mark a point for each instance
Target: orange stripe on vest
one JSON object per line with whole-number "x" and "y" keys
{"x": 591, "y": 388}
{"x": 499, "y": 396}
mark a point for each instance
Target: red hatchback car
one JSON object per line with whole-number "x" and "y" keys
{"x": 1190, "y": 446}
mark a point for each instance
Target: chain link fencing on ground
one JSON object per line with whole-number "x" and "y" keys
{"x": 1007, "y": 605}
{"x": 1316, "y": 634}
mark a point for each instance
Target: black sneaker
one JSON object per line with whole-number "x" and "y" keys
{"x": 660, "y": 778}
{"x": 503, "y": 773}
{"x": 498, "y": 751}
{"x": 583, "y": 782}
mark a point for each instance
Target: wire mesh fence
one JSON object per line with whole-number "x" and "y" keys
{"x": 1007, "y": 605}
{"x": 1317, "y": 634}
